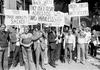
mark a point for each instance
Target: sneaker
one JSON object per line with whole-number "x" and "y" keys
{"x": 83, "y": 62}
{"x": 78, "y": 61}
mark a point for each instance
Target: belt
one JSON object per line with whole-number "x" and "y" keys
{"x": 13, "y": 42}
{"x": 81, "y": 43}
{"x": 69, "y": 43}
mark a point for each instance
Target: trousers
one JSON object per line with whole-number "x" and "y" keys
{"x": 28, "y": 58}
{"x": 93, "y": 49}
{"x": 68, "y": 50}
{"x": 81, "y": 52}
{"x": 39, "y": 52}
{"x": 18, "y": 56}
{"x": 86, "y": 50}
{"x": 4, "y": 59}
{"x": 58, "y": 51}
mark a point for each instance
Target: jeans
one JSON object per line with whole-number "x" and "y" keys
{"x": 12, "y": 46}
{"x": 39, "y": 52}
{"x": 28, "y": 58}
{"x": 93, "y": 50}
{"x": 46, "y": 56}
{"x": 69, "y": 49}
{"x": 58, "y": 51}
{"x": 81, "y": 52}
{"x": 86, "y": 50}
{"x": 18, "y": 56}
{"x": 4, "y": 59}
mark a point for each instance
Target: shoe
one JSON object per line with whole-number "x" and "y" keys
{"x": 78, "y": 61}
{"x": 56, "y": 64}
{"x": 69, "y": 62}
{"x": 43, "y": 68}
{"x": 83, "y": 62}
{"x": 53, "y": 65}
{"x": 14, "y": 63}
{"x": 22, "y": 63}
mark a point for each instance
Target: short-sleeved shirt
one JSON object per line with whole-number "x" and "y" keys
{"x": 26, "y": 38}
{"x": 13, "y": 37}
{"x": 81, "y": 39}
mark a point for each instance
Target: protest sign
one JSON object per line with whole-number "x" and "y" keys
{"x": 75, "y": 22}
{"x": 16, "y": 17}
{"x": 41, "y": 14}
{"x": 43, "y": 2}
{"x": 59, "y": 19}
{"x": 67, "y": 19}
{"x": 78, "y": 9}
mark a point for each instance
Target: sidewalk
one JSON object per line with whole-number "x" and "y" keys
{"x": 91, "y": 64}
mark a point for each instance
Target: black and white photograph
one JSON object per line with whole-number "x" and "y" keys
{"x": 49, "y": 34}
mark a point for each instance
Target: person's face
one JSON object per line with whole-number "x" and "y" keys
{"x": 81, "y": 33}
{"x": 87, "y": 30}
{"x": 94, "y": 31}
{"x": 66, "y": 28}
{"x": 36, "y": 29}
{"x": 70, "y": 32}
{"x": 26, "y": 29}
{"x": 2, "y": 28}
{"x": 74, "y": 30}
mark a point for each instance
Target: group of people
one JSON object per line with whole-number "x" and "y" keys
{"x": 34, "y": 48}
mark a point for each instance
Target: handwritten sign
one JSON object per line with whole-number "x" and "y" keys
{"x": 59, "y": 19}
{"x": 43, "y": 2}
{"x": 78, "y": 9}
{"x": 16, "y": 17}
{"x": 67, "y": 19}
{"x": 41, "y": 14}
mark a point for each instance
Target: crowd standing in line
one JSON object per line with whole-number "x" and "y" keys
{"x": 34, "y": 48}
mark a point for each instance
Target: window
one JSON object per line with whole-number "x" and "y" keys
{"x": 1, "y": 6}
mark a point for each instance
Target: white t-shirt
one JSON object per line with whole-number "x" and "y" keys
{"x": 87, "y": 37}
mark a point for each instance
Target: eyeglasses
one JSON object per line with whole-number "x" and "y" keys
{"x": 14, "y": 27}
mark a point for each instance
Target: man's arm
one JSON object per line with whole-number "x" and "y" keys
{"x": 51, "y": 38}
{"x": 74, "y": 42}
{"x": 36, "y": 36}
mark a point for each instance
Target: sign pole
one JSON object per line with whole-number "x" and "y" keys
{"x": 41, "y": 26}
{"x": 79, "y": 23}
{"x": 24, "y": 5}
{"x": 62, "y": 29}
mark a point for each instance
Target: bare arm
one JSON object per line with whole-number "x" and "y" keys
{"x": 27, "y": 45}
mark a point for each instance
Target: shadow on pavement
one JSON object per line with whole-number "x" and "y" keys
{"x": 98, "y": 66}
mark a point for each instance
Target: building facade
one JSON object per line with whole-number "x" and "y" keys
{"x": 14, "y": 5}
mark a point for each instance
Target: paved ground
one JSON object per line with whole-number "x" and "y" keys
{"x": 91, "y": 64}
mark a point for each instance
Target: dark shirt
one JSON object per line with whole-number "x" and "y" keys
{"x": 4, "y": 38}
{"x": 51, "y": 37}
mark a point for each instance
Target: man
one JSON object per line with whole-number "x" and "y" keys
{"x": 17, "y": 55}
{"x": 4, "y": 41}
{"x": 70, "y": 44}
{"x": 81, "y": 47}
{"x": 39, "y": 47}
{"x": 93, "y": 43}
{"x": 75, "y": 33}
{"x": 87, "y": 40}
{"x": 12, "y": 34}
{"x": 52, "y": 46}
{"x": 26, "y": 41}
{"x": 46, "y": 49}
{"x": 59, "y": 41}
